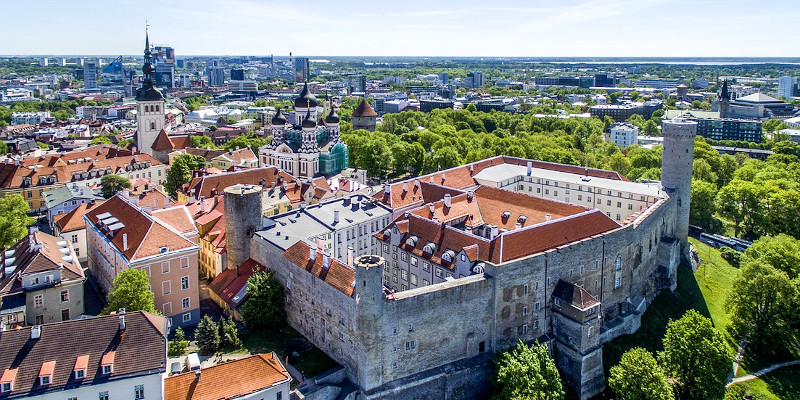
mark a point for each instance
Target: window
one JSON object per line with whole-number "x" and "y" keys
{"x": 64, "y": 296}
{"x": 185, "y": 303}
{"x": 107, "y": 369}
{"x": 438, "y": 272}
{"x": 184, "y": 282}
{"x": 536, "y": 307}
{"x": 590, "y": 331}
{"x": 414, "y": 279}
{"x": 385, "y": 248}
{"x": 608, "y": 203}
{"x": 138, "y": 392}
{"x": 557, "y": 302}
{"x": 38, "y": 301}
{"x": 426, "y": 266}
{"x": 404, "y": 274}
{"x": 617, "y": 281}
{"x": 525, "y": 311}
{"x": 44, "y": 380}
{"x": 6, "y": 387}
{"x": 525, "y": 289}
{"x": 618, "y": 263}
{"x": 404, "y": 256}
{"x": 74, "y": 238}
{"x": 102, "y": 396}
{"x": 65, "y": 315}
{"x": 522, "y": 329}
{"x": 80, "y": 374}
{"x": 590, "y": 311}
{"x": 630, "y": 206}
{"x": 411, "y": 344}
{"x": 165, "y": 267}
{"x": 279, "y": 396}
{"x": 167, "y": 308}
{"x": 184, "y": 262}
{"x": 166, "y": 287}
{"x": 413, "y": 262}
{"x": 619, "y": 204}
{"x": 425, "y": 282}
{"x": 186, "y": 317}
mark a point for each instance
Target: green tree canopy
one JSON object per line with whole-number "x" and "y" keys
{"x": 111, "y": 184}
{"x": 180, "y": 171}
{"x": 102, "y": 139}
{"x": 177, "y": 346}
{"x": 697, "y": 357}
{"x": 264, "y": 305}
{"x": 639, "y": 377}
{"x": 527, "y": 373}
{"x": 14, "y": 219}
{"x": 131, "y": 291}
{"x": 201, "y": 142}
{"x": 702, "y": 208}
{"x": 207, "y": 335}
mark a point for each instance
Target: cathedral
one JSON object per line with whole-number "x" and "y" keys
{"x": 304, "y": 144}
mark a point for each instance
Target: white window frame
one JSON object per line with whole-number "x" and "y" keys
{"x": 186, "y": 317}
{"x": 186, "y": 280}
{"x": 186, "y": 303}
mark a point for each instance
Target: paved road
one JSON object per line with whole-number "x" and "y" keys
{"x": 757, "y": 374}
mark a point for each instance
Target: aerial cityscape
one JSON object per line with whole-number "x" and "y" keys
{"x": 572, "y": 200}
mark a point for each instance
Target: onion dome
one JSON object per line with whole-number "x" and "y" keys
{"x": 308, "y": 121}
{"x": 279, "y": 118}
{"x": 332, "y": 117}
{"x": 306, "y": 99}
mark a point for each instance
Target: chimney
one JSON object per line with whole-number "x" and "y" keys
{"x": 443, "y": 177}
{"x": 431, "y": 207}
{"x": 36, "y": 332}
{"x": 387, "y": 189}
{"x": 430, "y": 179}
{"x": 447, "y": 200}
{"x": 471, "y": 169}
{"x": 326, "y": 261}
{"x": 335, "y": 216}
{"x": 356, "y": 203}
{"x": 155, "y": 203}
{"x": 547, "y": 217}
{"x": 350, "y": 256}
{"x": 312, "y": 254}
{"x": 166, "y": 202}
{"x": 405, "y": 187}
{"x": 124, "y": 242}
{"x": 197, "y": 375}
{"x": 416, "y": 182}
{"x": 126, "y": 193}
{"x": 202, "y": 205}
{"x": 530, "y": 168}
{"x": 122, "y": 322}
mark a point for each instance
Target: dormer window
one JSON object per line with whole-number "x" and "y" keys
{"x": 46, "y": 373}
{"x": 80, "y": 374}
{"x": 80, "y": 366}
{"x": 7, "y": 380}
{"x": 107, "y": 363}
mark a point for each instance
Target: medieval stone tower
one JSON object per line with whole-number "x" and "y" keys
{"x": 242, "y": 220}
{"x": 369, "y": 305}
{"x": 149, "y": 105}
{"x": 676, "y": 171}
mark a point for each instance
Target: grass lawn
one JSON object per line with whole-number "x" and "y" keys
{"x": 287, "y": 342}
{"x": 706, "y": 291}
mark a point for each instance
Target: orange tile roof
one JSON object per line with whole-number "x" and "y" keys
{"x": 8, "y": 375}
{"x": 338, "y": 275}
{"x": 97, "y": 152}
{"x": 47, "y": 368}
{"x": 165, "y": 142}
{"x": 73, "y": 220}
{"x": 227, "y": 381}
{"x": 364, "y": 110}
{"x": 239, "y": 156}
{"x": 155, "y": 199}
{"x": 108, "y": 358}
{"x": 177, "y": 217}
{"x": 568, "y": 223}
{"x": 146, "y": 235}
{"x": 81, "y": 362}
{"x": 204, "y": 186}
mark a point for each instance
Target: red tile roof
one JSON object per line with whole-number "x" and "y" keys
{"x": 230, "y": 380}
{"x": 574, "y": 295}
{"x": 73, "y": 220}
{"x": 364, "y": 110}
{"x": 165, "y": 142}
{"x": 228, "y": 285}
{"x": 48, "y": 257}
{"x": 338, "y": 275}
{"x": 146, "y": 235}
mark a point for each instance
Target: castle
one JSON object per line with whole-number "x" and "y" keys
{"x": 301, "y": 144}
{"x": 479, "y": 256}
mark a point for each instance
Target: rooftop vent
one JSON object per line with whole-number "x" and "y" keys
{"x": 36, "y": 332}
{"x": 506, "y": 214}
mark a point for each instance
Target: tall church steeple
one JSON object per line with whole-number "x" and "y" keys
{"x": 724, "y": 100}
{"x": 149, "y": 104}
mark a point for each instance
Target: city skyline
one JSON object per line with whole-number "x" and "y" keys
{"x": 572, "y": 28}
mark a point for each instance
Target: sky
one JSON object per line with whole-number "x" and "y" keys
{"x": 491, "y": 28}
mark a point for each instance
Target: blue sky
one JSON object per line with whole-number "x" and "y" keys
{"x": 534, "y": 28}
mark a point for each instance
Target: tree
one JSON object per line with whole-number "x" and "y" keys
{"x": 701, "y": 209}
{"x": 229, "y": 334}
{"x": 527, "y": 373}
{"x": 781, "y": 252}
{"x": 111, "y": 184}
{"x": 100, "y": 140}
{"x": 4, "y": 148}
{"x": 762, "y": 306}
{"x": 14, "y": 219}
{"x": 740, "y": 201}
{"x": 264, "y": 304}
{"x": 639, "y": 377}
{"x": 697, "y": 357}
{"x": 131, "y": 291}
{"x": 201, "y": 142}
{"x": 180, "y": 171}
{"x": 772, "y": 125}
{"x": 177, "y": 346}
{"x": 207, "y": 335}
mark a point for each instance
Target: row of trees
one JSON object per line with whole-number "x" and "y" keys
{"x": 695, "y": 364}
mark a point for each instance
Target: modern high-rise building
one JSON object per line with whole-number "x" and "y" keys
{"x": 787, "y": 86}
{"x": 164, "y": 62}
{"x": 90, "y": 75}
{"x": 301, "y": 69}
{"x": 215, "y": 73}
{"x": 237, "y": 74}
{"x": 475, "y": 80}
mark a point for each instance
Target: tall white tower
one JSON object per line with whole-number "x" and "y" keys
{"x": 149, "y": 105}
{"x": 676, "y": 171}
